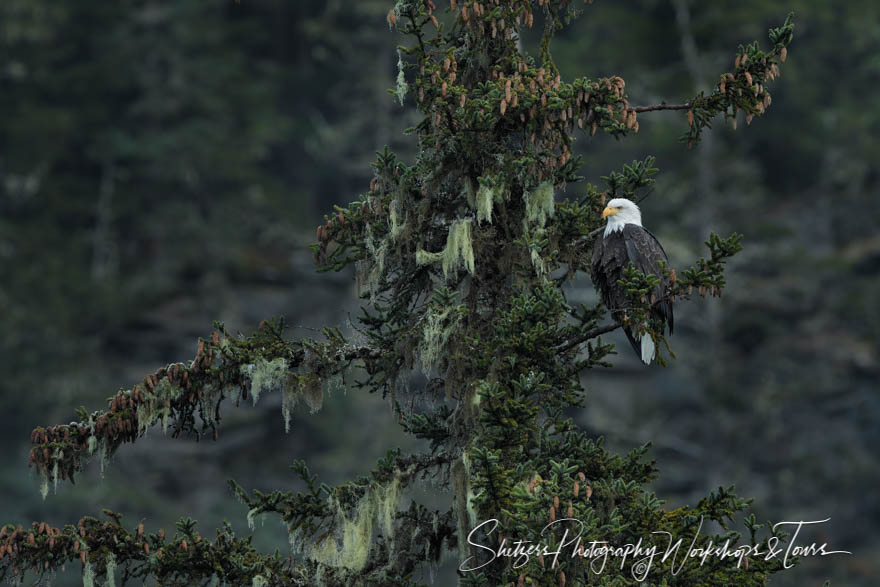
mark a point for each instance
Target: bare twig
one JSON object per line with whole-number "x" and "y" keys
{"x": 663, "y": 106}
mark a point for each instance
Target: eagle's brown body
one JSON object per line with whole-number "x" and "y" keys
{"x": 611, "y": 254}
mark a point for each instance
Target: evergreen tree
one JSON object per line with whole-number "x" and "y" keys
{"x": 461, "y": 259}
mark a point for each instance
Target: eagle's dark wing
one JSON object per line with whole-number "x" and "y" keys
{"x": 610, "y": 258}
{"x": 647, "y": 255}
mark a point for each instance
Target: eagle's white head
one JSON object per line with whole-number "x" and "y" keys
{"x": 620, "y": 212}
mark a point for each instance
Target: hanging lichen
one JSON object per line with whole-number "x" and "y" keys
{"x": 402, "y": 86}
{"x": 265, "y": 375}
{"x": 389, "y": 499}
{"x": 471, "y": 509}
{"x": 92, "y": 444}
{"x": 308, "y": 386}
{"x": 395, "y": 225}
{"x": 458, "y": 253}
{"x": 105, "y": 457}
{"x": 371, "y": 269}
{"x": 538, "y": 262}
{"x": 210, "y": 400}
{"x": 441, "y": 322}
{"x": 157, "y": 405}
{"x": 44, "y": 484}
{"x": 295, "y": 538}
{"x": 459, "y": 481}
{"x": 88, "y": 575}
{"x": 490, "y": 191}
{"x": 311, "y": 389}
{"x": 356, "y": 536}
{"x": 251, "y": 516}
{"x": 485, "y": 199}
{"x": 110, "y": 569}
{"x": 539, "y": 204}
{"x": 535, "y": 251}
{"x": 424, "y": 257}
{"x": 355, "y": 531}
{"x": 259, "y": 581}
{"x": 55, "y": 471}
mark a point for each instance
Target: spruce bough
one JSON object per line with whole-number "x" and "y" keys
{"x": 460, "y": 259}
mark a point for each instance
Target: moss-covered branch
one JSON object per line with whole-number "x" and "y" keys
{"x": 185, "y": 398}
{"x": 109, "y": 551}
{"x": 355, "y": 529}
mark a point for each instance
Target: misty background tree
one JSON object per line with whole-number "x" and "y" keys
{"x": 442, "y": 241}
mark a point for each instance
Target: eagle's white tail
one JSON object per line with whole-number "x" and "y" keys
{"x": 649, "y": 351}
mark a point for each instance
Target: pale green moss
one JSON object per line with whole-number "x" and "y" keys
{"x": 356, "y": 536}
{"x": 44, "y": 485}
{"x": 333, "y": 384}
{"x": 266, "y": 375}
{"x": 105, "y": 457}
{"x": 485, "y": 199}
{"x": 110, "y": 569}
{"x": 57, "y": 457}
{"x": 157, "y": 405}
{"x": 259, "y": 581}
{"x": 371, "y": 269}
{"x": 427, "y": 258}
{"x": 538, "y": 262}
{"x": 402, "y": 86}
{"x": 88, "y": 575}
{"x": 458, "y": 253}
{"x": 396, "y": 226}
{"x": 389, "y": 499}
{"x": 350, "y": 544}
{"x": 539, "y": 204}
{"x": 476, "y": 399}
{"x": 295, "y": 538}
{"x": 250, "y": 518}
{"x": 440, "y": 325}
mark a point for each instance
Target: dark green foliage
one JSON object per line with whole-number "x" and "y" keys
{"x": 109, "y": 550}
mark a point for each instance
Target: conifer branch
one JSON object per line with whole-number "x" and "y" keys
{"x": 225, "y": 367}
{"x": 662, "y": 106}
{"x": 105, "y": 549}
{"x": 598, "y": 331}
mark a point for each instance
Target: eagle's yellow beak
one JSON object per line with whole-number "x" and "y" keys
{"x": 609, "y": 211}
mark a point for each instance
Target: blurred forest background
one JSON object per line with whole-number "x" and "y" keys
{"x": 163, "y": 163}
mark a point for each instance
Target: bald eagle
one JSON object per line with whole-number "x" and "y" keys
{"x": 626, "y": 241}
